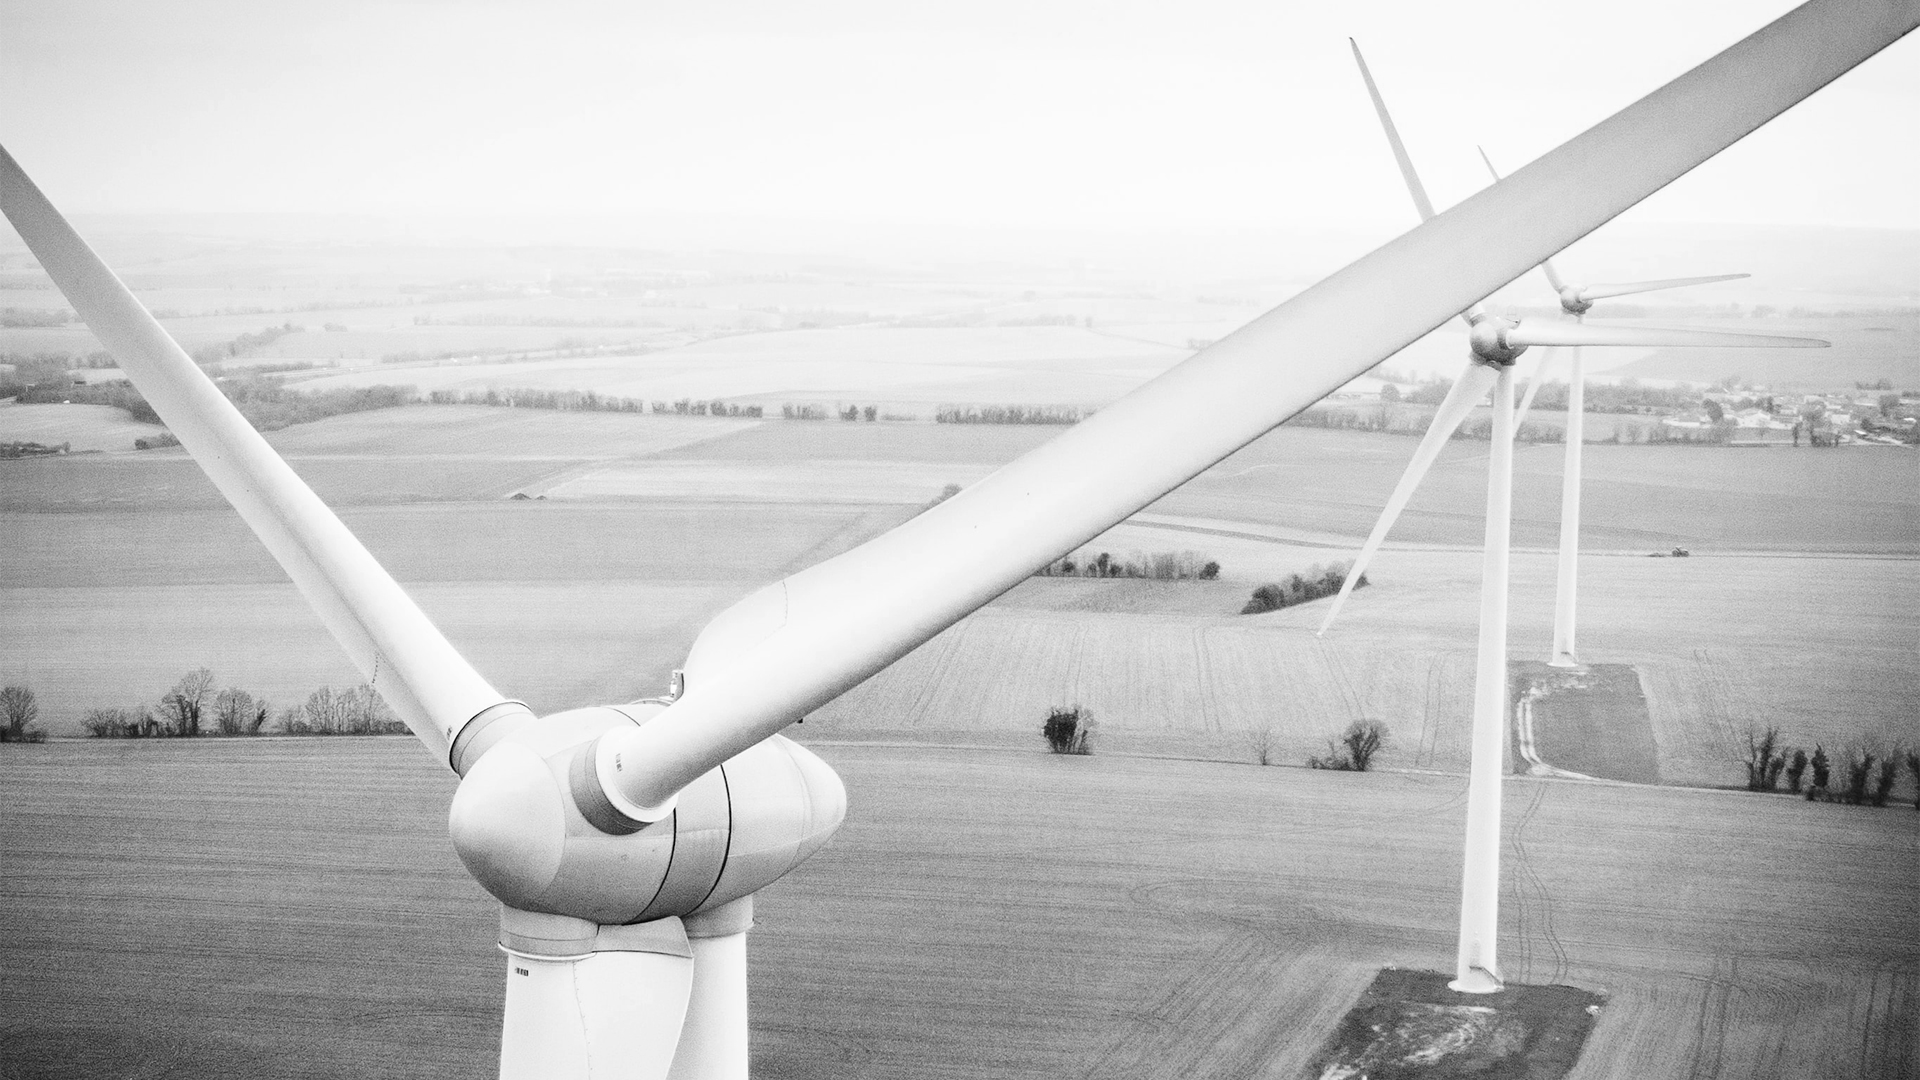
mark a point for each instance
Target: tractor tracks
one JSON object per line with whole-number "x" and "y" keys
{"x": 1530, "y": 895}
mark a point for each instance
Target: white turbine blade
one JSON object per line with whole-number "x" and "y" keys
{"x": 1547, "y": 363}
{"x": 1414, "y": 187}
{"x": 829, "y": 627}
{"x": 1545, "y": 332}
{"x": 389, "y": 639}
{"x": 1468, "y": 391}
{"x": 1628, "y": 288}
{"x": 1546, "y": 265}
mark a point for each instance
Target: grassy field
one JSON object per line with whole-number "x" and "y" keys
{"x": 1635, "y": 498}
{"x": 656, "y": 523}
{"x": 83, "y": 427}
{"x": 291, "y": 909}
{"x": 565, "y": 605}
{"x": 552, "y": 607}
{"x": 905, "y": 368}
{"x": 409, "y": 455}
{"x": 480, "y": 431}
{"x": 1204, "y": 684}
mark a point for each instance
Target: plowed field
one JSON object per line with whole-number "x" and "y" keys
{"x": 291, "y": 909}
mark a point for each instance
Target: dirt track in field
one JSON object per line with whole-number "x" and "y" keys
{"x": 291, "y": 908}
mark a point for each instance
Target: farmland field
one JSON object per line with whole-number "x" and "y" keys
{"x": 908, "y": 368}
{"x": 567, "y": 605}
{"x": 652, "y": 524}
{"x": 1202, "y": 685}
{"x": 290, "y": 908}
{"x": 84, "y": 427}
{"x": 981, "y": 914}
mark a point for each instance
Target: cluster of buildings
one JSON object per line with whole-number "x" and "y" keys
{"x": 1740, "y": 418}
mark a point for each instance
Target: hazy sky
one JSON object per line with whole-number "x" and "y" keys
{"x": 1079, "y": 114}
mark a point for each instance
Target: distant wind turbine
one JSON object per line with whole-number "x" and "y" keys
{"x": 1494, "y": 343}
{"x": 1577, "y": 300}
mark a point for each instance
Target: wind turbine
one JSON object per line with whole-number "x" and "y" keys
{"x": 1494, "y": 343}
{"x": 1577, "y": 300}
{"x": 625, "y": 842}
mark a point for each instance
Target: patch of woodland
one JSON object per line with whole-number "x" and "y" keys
{"x": 1299, "y": 588}
{"x": 1154, "y": 566}
{"x": 1861, "y": 775}
{"x": 1069, "y": 730}
{"x": 1354, "y": 749}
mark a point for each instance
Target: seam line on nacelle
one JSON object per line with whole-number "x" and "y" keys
{"x": 726, "y": 787}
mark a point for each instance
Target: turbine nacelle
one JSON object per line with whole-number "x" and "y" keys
{"x": 524, "y": 834}
{"x": 1489, "y": 341}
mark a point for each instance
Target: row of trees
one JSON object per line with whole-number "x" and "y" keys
{"x": 1627, "y": 396}
{"x": 194, "y": 707}
{"x": 1010, "y": 414}
{"x": 266, "y": 403}
{"x": 1300, "y": 588}
{"x": 1394, "y": 420}
{"x": 242, "y": 345}
{"x": 1866, "y": 776}
{"x": 814, "y": 411}
{"x": 1158, "y": 566}
{"x": 31, "y": 449}
{"x": 34, "y": 317}
{"x": 716, "y": 407}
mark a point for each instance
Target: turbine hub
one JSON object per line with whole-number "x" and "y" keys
{"x": 1488, "y": 340}
{"x": 1572, "y": 303}
{"x": 521, "y": 831}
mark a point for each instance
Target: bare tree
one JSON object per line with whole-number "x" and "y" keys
{"x": 1069, "y": 731}
{"x": 1355, "y": 749}
{"x": 186, "y": 700}
{"x": 355, "y": 711}
{"x": 1363, "y": 739}
{"x": 1884, "y": 778}
{"x": 18, "y": 709}
{"x": 1260, "y": 741}
{"x": 234, "y": 712}
{"x": 1764, "y": 760}
{"x": 1796, "y": 769}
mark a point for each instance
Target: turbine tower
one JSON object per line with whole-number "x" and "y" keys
{"x": 1494, "y": 344}
{"x": 626, "y": 842}
{"x": 1576, "y": 301}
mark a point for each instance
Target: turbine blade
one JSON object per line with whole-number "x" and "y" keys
{"x": 837, "y": 623}
{"x": 389, "y": 639}
{"x": 1546, "y": 265}
{"x": 1547, "y": 362}
{"x": 1468, "y": 391}
{"x": 1531, "y": 332}
{"x": 1414, "y": 187}
{"x": 1601, "y": 292}
{"x": 1418, "y": 190}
